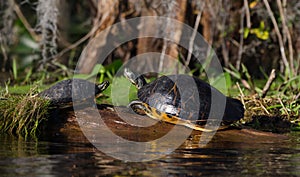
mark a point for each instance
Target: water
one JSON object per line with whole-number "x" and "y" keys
{"x": 220, "y": 158}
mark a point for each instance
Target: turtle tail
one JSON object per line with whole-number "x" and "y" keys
{"x": 234, "y": 110}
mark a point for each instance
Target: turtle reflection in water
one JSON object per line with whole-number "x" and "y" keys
{"x": 180, "y": 99}
{"x": 62, "y": 94}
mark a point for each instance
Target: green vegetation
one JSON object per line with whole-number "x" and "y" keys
{"x": 39, "y": 46}
{"x": 22, "y": 114}
{"x": 276, "y": 97}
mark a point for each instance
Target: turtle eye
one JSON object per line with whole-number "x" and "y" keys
{"x": 139, "y": 83}
{"x": 157, "y": 112}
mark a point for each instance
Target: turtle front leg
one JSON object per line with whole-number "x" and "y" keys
{"x": 143, "y": 109}
{"x": 138, "y": 107}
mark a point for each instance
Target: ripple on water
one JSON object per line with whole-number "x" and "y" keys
{"x": 228, "y": 158}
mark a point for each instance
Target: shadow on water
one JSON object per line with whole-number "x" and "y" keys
{"x": 230, "y": 153}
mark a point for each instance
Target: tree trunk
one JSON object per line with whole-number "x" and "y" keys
{"x": 107, "y": 13}
{"x": 146, "y": 45}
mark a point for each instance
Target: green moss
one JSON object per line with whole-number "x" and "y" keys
{"x": 22, "y": 114}
{"x": 271, "y": 113}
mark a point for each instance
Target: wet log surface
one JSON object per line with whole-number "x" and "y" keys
{"x": 64, "y": 126}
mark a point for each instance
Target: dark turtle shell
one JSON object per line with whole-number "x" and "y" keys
{"x": 189, "y": 98}
{"x": 63, "y": 92}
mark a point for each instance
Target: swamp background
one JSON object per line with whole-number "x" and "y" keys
{"x": 257, "y": 42}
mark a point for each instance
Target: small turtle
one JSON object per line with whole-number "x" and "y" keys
{"x": 173, "y": 99}
{"x": 61, "y": 94}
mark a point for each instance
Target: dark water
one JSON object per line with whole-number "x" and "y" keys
{"x": 54, "y": 158}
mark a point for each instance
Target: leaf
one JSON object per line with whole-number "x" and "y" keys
{"x": 246, "y": 32}
{"x": 98, "y": 68}
{"x": 15, "y": 68}
{"x": 28, "y": 75}
{"x": 264, "y": 35}
{"x": 262, "y": 25}
{"x": 261, "y": 34}
{"x": 253, "y": 4}
{"x": 121, "y": 92}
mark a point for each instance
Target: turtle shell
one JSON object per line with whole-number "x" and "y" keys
{"x": 189, "y": 98}
{"x": 61, "y": 93}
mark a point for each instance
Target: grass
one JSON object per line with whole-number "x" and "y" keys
{"x": 280, "y": 102}
{"x": 22, "y": 114}
{"x": 271, "y": 105}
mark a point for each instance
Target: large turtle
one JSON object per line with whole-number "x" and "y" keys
{"x": 61, "y": 94}
{"x": 181, "y": 99}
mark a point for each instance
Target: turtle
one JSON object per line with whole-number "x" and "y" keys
{"x": 62, "y": 93}
{"x": 162, "y": 100}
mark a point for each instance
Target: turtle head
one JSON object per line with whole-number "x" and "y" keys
{"x": 138, "y": 81}
{"x": 103, "y": 85}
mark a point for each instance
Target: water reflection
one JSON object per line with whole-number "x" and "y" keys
{"x": 56, "y": 158}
